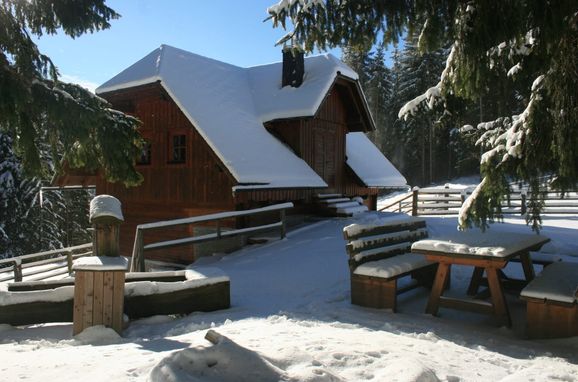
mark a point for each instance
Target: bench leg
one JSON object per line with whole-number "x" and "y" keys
{"x": 438, "y": 287}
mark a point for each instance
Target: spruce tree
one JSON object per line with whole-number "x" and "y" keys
{"x": 35, "y": 105}
{"x": 521, "y": 53}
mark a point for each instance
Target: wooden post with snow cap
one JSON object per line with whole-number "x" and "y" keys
{"x": 99, "y": 280}
{"x": 106, "y": 217}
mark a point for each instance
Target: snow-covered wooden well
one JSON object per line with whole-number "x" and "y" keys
{"x": 106, "y": 217}
{"x": 99, "y": 292}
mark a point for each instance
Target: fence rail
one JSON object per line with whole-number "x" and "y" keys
{"x": 42, "y": 265}
{"x": 447, "y": 201}
{"x": 138, "y": 260}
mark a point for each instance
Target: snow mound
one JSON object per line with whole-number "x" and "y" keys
{"x": 105, "y": 205}
{"x": 227, "y": 361}
{"x": 98, "y": 335}
{"x": 408, "y": 370}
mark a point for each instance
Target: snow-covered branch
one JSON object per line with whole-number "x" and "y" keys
{"x": 433, "y": 94}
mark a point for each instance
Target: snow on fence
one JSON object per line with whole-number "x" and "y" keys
{"x": 448, "y": 201}
{"x": 42, "y": 265}
{"x": 138, "y": 260}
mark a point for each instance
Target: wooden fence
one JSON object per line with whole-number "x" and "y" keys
{"x": 138, "y": 260}
{"x": 448, "y": 201}
{"x": 42, "y": 265}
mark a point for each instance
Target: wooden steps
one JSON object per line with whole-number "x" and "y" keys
{"x": 338, "y": 205}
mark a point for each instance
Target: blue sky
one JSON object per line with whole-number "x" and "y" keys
{"x": 232, "y": 31}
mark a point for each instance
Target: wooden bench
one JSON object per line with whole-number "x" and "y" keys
{"x": 380, "y": 254}
{"x": 552, "y": 306}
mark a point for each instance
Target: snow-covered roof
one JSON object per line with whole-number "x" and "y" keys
{"x": 228, "y": 106}
{"x": 370, "y": 165}
{"x": 274, "y": 102}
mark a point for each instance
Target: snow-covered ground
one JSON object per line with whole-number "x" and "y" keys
{"x": 291, "y": 319}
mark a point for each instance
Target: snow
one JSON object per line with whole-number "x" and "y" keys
{"x": 392, "y": 266}
{"x": 370, "y": 165}
{"x": 105, "y": 205}
{"x": 228, "y": 105}
{"x": 274, "y": 102}
{"x": 101, "y": 263}
{"x": 291, "y": 318}
{"x": 195, "y": 278}
{"x": 55, "y": 295}
{"x": 372, "y": 221}
{"x": 474, "y": 242}
{"x": 558, "y": 282}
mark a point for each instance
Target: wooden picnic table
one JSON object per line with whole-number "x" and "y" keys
{"x": 489, "y": 251}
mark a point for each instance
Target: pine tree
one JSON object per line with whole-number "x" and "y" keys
{"x": 521, "y": 53}
{"x": 25, "y": 227}
{"x": 416, "y": 73}
{"x": 34, "y": 104}
{"x": 378, "y": 91}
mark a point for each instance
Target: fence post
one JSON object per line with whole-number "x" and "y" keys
{"x": 137, "y": 263}
{"x": 283, "y": 227}
{"x": 415, "y": 195}
{"x": 218, "y": 229}
{"x": 17, "y": 270}
{"x": 463, "y": 196}
{"x": 523, "y": 207}
{"x": 69, "y": 261}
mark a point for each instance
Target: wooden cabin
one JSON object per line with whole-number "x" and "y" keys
{"x": 221, "y": 138}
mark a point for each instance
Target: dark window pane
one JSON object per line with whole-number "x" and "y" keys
{"x": 179, "y": 149}
{"x": 145, "y": 154}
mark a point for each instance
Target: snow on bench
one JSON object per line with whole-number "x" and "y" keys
{"x": 379, "y": 255}
{"x": 552, "y": 309}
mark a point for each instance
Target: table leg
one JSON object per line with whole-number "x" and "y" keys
{"x": 527, "y": 266}
{"x": 475, "y": 281}
{"x": 498, "y": 299}
{"x": 437, "y": 288}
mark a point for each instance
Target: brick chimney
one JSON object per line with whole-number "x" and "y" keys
{"x": 293, "y": 67}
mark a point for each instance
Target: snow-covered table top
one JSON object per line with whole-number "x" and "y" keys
{"x": 474, "y": 243}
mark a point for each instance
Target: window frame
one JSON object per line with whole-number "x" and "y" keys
{"x": 171, "y": 147}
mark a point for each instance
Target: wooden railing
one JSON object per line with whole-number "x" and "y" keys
{"x": 42, "y": 265}
{"x": 447, "y": 201}
{"x": 138, "y": 260}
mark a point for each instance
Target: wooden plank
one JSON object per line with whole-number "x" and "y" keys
{"x": 206, "y": 298}
{"x": 374, "y": 292}
{"x": 97, "y": 308}
{"x": 118, "y": 301}
{"x": 107, "y": 301}
{"x": 410, "y": 225}
{"x": 37, "y": 312}
{"x": 88, "y": 299}
{"x": 477, "y": 306}
{"x": 79, "y": 295}
{"x": 546, "y": 320}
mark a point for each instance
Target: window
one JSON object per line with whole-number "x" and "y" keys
{"x": 144, "y": 157}
{"x": 178, "y": 148}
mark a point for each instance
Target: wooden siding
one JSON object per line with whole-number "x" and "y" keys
{"x": 200, "y": 185}
{"x": 319, "y": 141}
